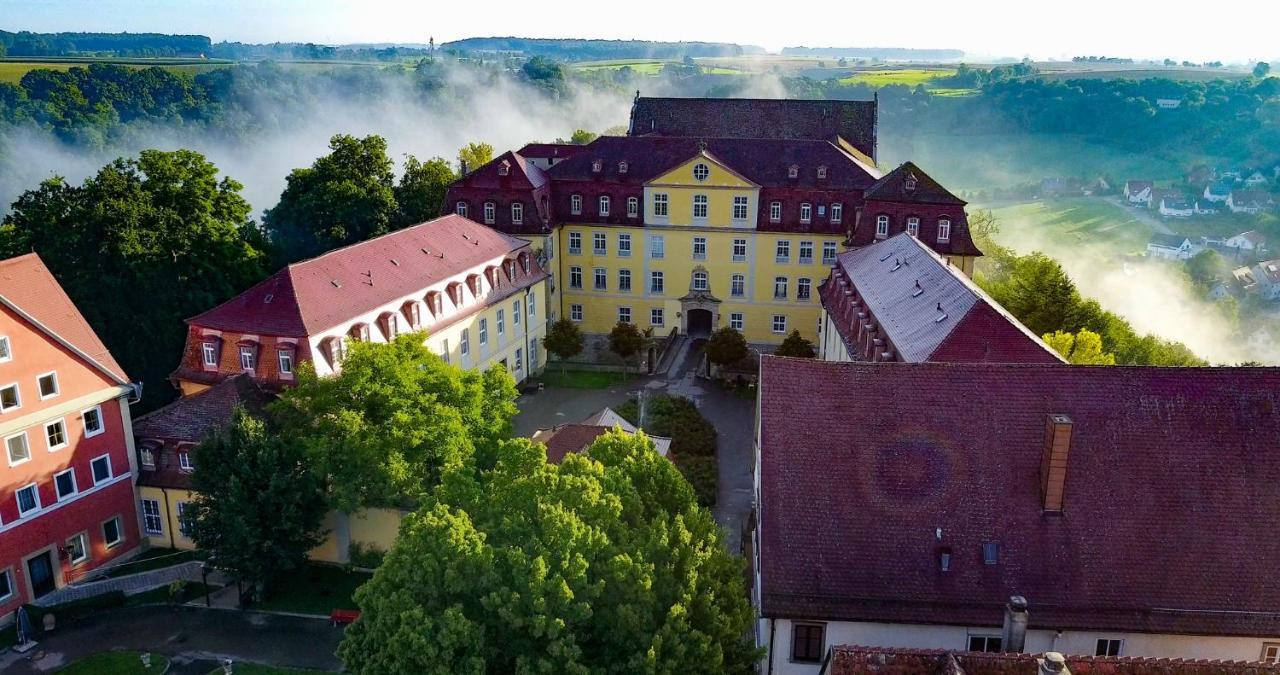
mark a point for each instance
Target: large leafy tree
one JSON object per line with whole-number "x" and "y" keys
{"x": 472, "y": 156}
{"x": 726, "y": 346}
{"x": 626, "y": 341}
{"x": 140, "y": 246}
{"x": 258, "y": 506}
{"x": 345, "y": 197}
{"x": 603, "y": 563}
{"x": 796, "y": 345}
{"x": 421, "y": 190}
{"x": 386, "y": 428}
{"x": 565, "y": 340}
{"x": 1082, "y": 348}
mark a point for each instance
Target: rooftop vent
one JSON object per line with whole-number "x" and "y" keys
{"x": 919, "y": 290}
{"x": 335, "y": 283}
{"x": 622, "y": 166}
{"x": 267, "y": 299}
{"x": 886, "y": 256}
{"x": 424, "y": 250}
{"x": 597, "y": 166}
{"x": 897, "y": 264}
{"x": 395, "y": 262}
{"x": 1014, "y": 635}
{"x": 941, "y": 317}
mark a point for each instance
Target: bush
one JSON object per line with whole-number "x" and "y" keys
{"x": 703, "y": 474}
{"x": 178, "y": 591}
{"x": 365, "y": 556}
{"x": 75, "y": 609}
{"x": 678, "y": 419}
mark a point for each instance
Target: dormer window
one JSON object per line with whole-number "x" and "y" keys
{"x": 491, "y": 273}
{"x": 575, "y": 204}
{"x": 336, "y": 349}
{"x": 882, "y": 227}
{"x": 473, "y": 283}
{"x": 944, "y": 230}
{"x": 775, "y": 212}
{"x": 284, "y": 360}
{"x": 633, "y": 207}
{"x": 910, "y": 183}
{"x": 248, "y": 357}
{"x": 413, "y": 314}
{"x": 622, "y": 166}
{"x": 504, "y": 169}
{"x": 913, "y": 226}
{"x": 434, "y": 304}
{"x": 597, "y": 166}
{"x": 184, "y": 461}
{"x": 360, "y": 332}
{"x": 147, "y": 456}
{"x": 822, "y": 172}
{"x": 793, "y": 171}
{"x": 390, "y": 325}
{"x": 511, "y": 270}
{"x": 209, "y": 353}
{"x": 455, "y": 294}
{"x": 524, "y": 262}
{"x": 461, "y": 209}
{"x": 806, "y": 213}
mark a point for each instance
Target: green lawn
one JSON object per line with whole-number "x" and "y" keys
{"x": 583, "y": 379}
{"x": 255, "y": 669}
{"x": 317, "y": 589}
{"x": 908, "y": 76}
{"x": 641, "y": 66}
{"x": 12, "y": 71}
{"x": 191, "y": 591}
{"x": 117, "y": 663}
{"x": 151, "y": 559}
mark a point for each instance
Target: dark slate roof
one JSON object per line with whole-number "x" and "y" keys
{"x": 191, "y": 418}
{"x": 851, "y": 660}
{"x": 893, "y": 188}
{"x": 854, "y": 121}
{"x": 1165, "y": 495}
{"x": 903, "y": 283}
{"x": 1168, "y": 240}
{"x": 549, "y": 150}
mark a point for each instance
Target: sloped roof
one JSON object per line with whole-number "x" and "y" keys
{"x": 549, "y": 150}
{"x": 824, "y": 120}
{"x": 1252, "y": 236}
{"x": 903, "y": 283}
{"x": 852, "y": 660}
{"x": 1168, "y": 240}
{"x": 1162, "y": 509}
{"x": 314, "y": 295}
{"x": 1255, "y": 197}
{"x": 191, "y": 418}
{"x": 30, "y": 289}
{"x": 1135, "y": 186}
{"x": 893, "y": 187}
{"x": 567, "y": 438}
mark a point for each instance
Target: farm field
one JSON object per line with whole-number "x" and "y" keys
{"x": 11, "y": 71}
{"x": 643, "y": 66}
{"x": 906, "y": 76}
{"x": 1070, "y": 228}
{"x": 1141, "y": 72}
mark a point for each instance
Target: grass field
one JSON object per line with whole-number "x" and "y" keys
{"x": 582, "y": 379}
{"x": 641, "y": 66}
{"x": 316, "y": 589}
{"x": 1072, "y": 227}
{"x": 116, "y": 663}
{"x": 908, "y": 76}
{"x": 1119, "y": 73}
{"x": 12, "y": 71}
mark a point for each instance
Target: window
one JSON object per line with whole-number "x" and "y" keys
{"x": 700, "y": 281}
{"x": 148, "y": 458}
{"x": 802, "y": 288}
{"x": 285, "y": 359}
{"x": 484, "y": 332}
{"x": 64, "y": 484}
{"x": 111, "y": 533}
{"x": 806, "y": 253}
{"x": 700, "y": 207}
{"x": 575, "y": 243}
{"x": 533, "y": 306}
{"x": 519, "y": 361}
{"x": 779, "y": 323}
{"x": 184, "y": 460}
{"x": 783, "y": 252}
{"x": 502, "y": 323}
{"x": 604, "y": 205}
{"x": 633, "y": 207}
{"x": 248, "y": 357}
{"x": 28, "y": 500}
{"x": 828, "y": 252}
{"x": 775, "y": 212}
{"x": 736, "y": 321}
{"x": 806, "y": 212}
{"x": 985, "y": 643}
{"x": 739, "y": 250}
{"x": 837, "y": 212}
{"x": 182, "y": 520}
{"x": 92, "y": 419}
{"x": 807, "y": 642}
{"x": 624, "y": 281}
{"x": 882, "y": 227}
{"x": 18, "y": 449}
{"x": 101, "y": 469}
{"x": 461, "y": 209}
{"x": 624, "y": 246}
{"x": 699, "y": 248}
{"x": 624, "y": 315}
{"x": 793, "y": 171}
{"x": 517, "y": 213}
{"x": 464, "y": 342}
{"x": 575, "y": 277}
{"x": 152, "y": 523}
{"x": 55, "y": 434}
{"x": 780, "y": 288}
{"x": 655, "y": 316}
{"x": 1270, "y": 650}
{"x": 701, "y": 171}
{"x": 6, "y": 585}
{"x": 210, "y": 352}
{"x": 490, "y": 212}
{"x": 533, "y": 354}
{"x": 575, "y": 204}
{"x": 660, "y": 204}
{"x": 737, "y": 285}
{"x": 822, "y": 171}
{"x": 944, "y": 230}
{"x": 444, "y": 350}
{"x": 657, "y": 247}
{"x": 391, "y": 327}
{"x": 599, "y": 243}
{"x": 575, "y": 312}
{"x": 9, "y": 398}
{"x": 913, "y": 226}
{"x": 6, "y": 352}
{"x": 515, "y": 313}
{"x": 739, "y": 208}
{"x": 655, "y": 283}
{"x": 78, "y": 548}
{"x": 1107, "y": 647}
{"x": 601, "y": 279}
{"x": 48, "y": 385}
{"x": 990, "y": 553}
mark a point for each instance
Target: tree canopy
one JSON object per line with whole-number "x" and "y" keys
{"x": 625, "y": 340}
{"x": 394, "y": 420}
{"x": 603, "y": 563}
{"x": 140, "y": 246}
{"x": 726, "y": 346}
{"x": 1083, "y": 348}
{"x": 564, "y": 339}
{"x": 796, "y": 345}
{"x": 421, "y": 190}
{"x": 472, "y": 156}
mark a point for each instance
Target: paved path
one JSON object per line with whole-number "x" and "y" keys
{"x": 194, "y": 638}
{"x": 130, "y": 584}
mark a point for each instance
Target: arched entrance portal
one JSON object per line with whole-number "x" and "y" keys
{"x": 700, "y": 322}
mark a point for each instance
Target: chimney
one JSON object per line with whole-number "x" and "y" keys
{"x": 1053, "y": 663}
{"x": 1053, "y": 464}
{"x": 462, "y": 167}
{"x": 1014, "y": 636}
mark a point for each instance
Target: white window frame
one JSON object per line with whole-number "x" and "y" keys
{"x": 102, "y": 422}
{"x": 248, "y": 355}
{"x": 624, "y": 315}
{"x": 515, "y": 313}
{"x": 484, "y": 331}
{"x": 699, "y": 243}
{"x": 781, "y": 286}
{"x": 701, "y": 282}
{"x": 184, "y": 460}
{"x": 605, "y": 206}
{"x": 17, "y": 397}
{"x": 806, "y": 212}
{"x": 804, "y": 288}
{"x": 17, "y": 499}
{"x": 502, "y": 322}
{"x": 147, "y": 457}
{"x": 57, "y": 490}
{"x": 93, "y": 472}
{"x": 575, "y": 313}
{"x": 656, "y": 316}
{"x": 837, "y": 212}
{"x": 119, "y": 532}
{"x": 737, "y": 321}
{"x": 533, "y": 306}
{"x": 575, "y": 277}
{"x": 575, "y": 243}
{"x": 65, "y": 436}
{"x": 490, "y": 213}
{"x": 774, "y": 325}
{"x": 284, "y": 361}
{"x": 782, "y": 251}
{"x": 775, "y": 212}
{"x": 146, "y": 518}
{"x": 633, "y": 207}
{"x": 913, "y": 226}
{"x": 739, "y": 244}
{"x": 701, "y": 172}
{"x": 882, "y": 226}
{"x": 661, "y": 205}
{"x": 737, "y": 286}
{"x": 209, "y": 354}
{"x": 575, "y": 205}
{"x": 6, "y": 350}
{"x": 599, "y": 279}
{"x": 801, "y": 257}
{"x": 705, "y": 203}
{"x": 517, "y": 213}
{"x": 26, "y": 443}
{"x": 944, "y": 229}
{"x": 461, "y": 209}
{"x": 57, "y": 389}
{"x": 829, "y": 246}
{"x": 464, "y": 343}
{"x": 657, "y": 282}
{"x": 657, "y": 247}
{"x": 740, "y": 205}
{"x": 182, "y": 521}
{"x": 624, "y": 280}
{"x": 624, "y": 245}
{"x": 84, "y": 548}
{"x": 599, "y": 243}
{"x": 1270, "y": 651}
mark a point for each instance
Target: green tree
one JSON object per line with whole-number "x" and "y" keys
{"x": 1038, "y": 291}
{"x": 258, "y": 507}
{"x": 797, "y": 346}
{"x": 1206, "y": 267}
{"x": 1261, "y": 69}
{"x": 386, "y": 428}
{"x": 140, "y": 246}
{"x": 472, "y": 156}
{"x": 603, "y": 563}
{"x": 420, "y": 193}
{"x": 565, "y": 340}
{"x": 626, "y": 341}
{"x": 1083, "y": 348}
{"x": 726, "y": 346}
{"x": 345, "y": 197}
{"x": 583, "y": 137}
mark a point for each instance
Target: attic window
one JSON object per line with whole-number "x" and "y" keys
{"x": 597, "y": 166}
{"x": 793, "y": 171}
{"x": 944, "y": 559}
{"x": 822, "y": 172}
{"x": 910, "y": 183}
{"x": 990, "y": 553}
{"x": 622, "y": 166}
{"x": 701, "y": 171}
{"x": 504, "y": 168}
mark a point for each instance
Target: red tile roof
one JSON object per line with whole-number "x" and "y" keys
{"x": 851, "y": 660}
{"x": 549, "y": 150}
{"x": 823, "y": 120}
{"x": 191, "y": 418}
{"x": 568, "y": 438}
{"x": 309, "y": 297}
{"x": 29, "y": 288}
{"x": 895, "y": 187}
{"x": 1165, "y": 504}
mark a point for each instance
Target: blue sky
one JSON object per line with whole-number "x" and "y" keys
{"x": 1243, "y": 33}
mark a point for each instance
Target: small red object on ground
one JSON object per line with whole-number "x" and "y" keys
{"x": 343, "y": 616}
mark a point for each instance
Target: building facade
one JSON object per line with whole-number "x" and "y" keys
{"x": 66, "y": 482}
{"x": 689, "y": 225}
